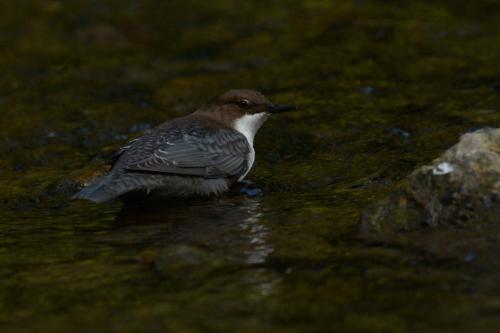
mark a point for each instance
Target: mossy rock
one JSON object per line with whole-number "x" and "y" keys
{"x": 459, "y": 189}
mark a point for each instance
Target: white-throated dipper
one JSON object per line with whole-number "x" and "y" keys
{"x": 203, "y": 153}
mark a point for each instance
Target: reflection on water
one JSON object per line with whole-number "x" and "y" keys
{"x": 260, "y": 248}
{"x": 194, "y": 241}
{"x": 232, "y": 227}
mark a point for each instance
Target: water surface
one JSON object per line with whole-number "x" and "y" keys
{"x": 382, "y": 86}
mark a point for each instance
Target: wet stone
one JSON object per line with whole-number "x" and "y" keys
{"x": 459, "y": 189}
{"x": 368, "y": 91}
{"x": 187, "y": 263}
{"x": 139, "y": 127}
{"x": 101, "y": 35}
{"x": 398, "y": 132}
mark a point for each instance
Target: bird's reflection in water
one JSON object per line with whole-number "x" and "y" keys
{"x": 201, "y": 241}
{"x": 257, "y": 232}
{"x": 231, "y": 228}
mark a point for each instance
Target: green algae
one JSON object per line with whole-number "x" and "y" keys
{"x": 383, "y": 87}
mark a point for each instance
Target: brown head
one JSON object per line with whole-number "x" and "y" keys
{"x": 242, "y": 109}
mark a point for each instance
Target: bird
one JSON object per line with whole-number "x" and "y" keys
{"x": 201, "y": 154}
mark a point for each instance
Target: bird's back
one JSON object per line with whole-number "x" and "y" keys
{"x": 192, "y": 155}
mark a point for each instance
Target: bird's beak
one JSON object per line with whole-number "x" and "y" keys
{"x": 276, "y": 108}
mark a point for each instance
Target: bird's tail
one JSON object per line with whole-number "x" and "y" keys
{"x": 105, "y": 188}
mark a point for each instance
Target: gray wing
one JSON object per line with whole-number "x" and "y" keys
{"x": 220, "y": 154}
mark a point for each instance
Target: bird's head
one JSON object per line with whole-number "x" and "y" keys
{"x": 244, "y": 110}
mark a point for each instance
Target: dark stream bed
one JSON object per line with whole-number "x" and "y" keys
{"x": 382, "y": 86}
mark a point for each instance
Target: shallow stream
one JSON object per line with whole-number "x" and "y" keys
{"x": 382, "y": 86}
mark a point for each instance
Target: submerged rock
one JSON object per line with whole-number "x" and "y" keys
{"x": 187, "y": 263}
{"x": 461, "y": 188}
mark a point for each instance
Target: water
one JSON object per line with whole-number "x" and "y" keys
{"x": 382, "y": 88}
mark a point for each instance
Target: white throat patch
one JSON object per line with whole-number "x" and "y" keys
{"x": 248, "y": 125}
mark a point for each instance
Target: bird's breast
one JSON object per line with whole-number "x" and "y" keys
{"x": 250, "y": 158}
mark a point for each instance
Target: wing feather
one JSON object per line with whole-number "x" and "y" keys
{"x": 220, "y": 154}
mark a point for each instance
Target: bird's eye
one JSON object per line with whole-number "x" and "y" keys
{"x": 244, "y": 103}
